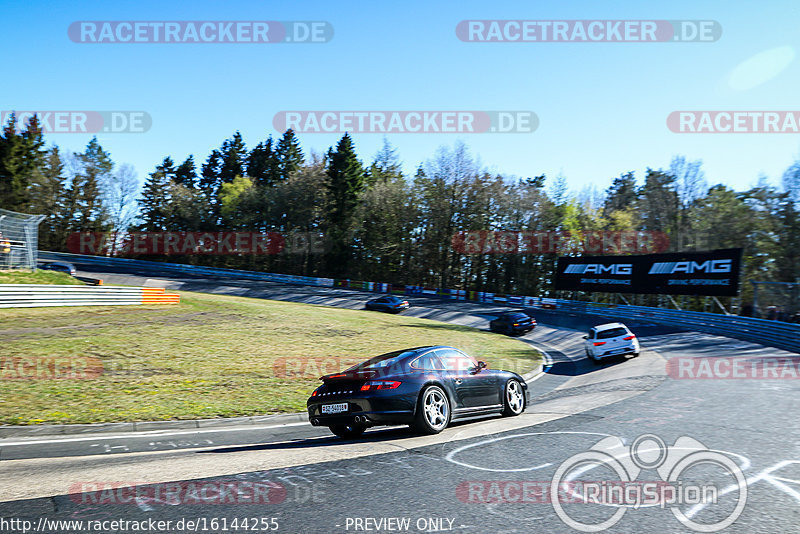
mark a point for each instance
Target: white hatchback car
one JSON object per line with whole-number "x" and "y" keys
{"x": 609, "y": 340}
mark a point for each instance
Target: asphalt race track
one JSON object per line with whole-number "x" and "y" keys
{"x": 490, "y": 475}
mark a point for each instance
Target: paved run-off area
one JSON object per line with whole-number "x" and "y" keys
{"x": 317, "y": 483}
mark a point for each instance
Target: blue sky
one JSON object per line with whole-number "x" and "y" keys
{"x": 602, "y": 106}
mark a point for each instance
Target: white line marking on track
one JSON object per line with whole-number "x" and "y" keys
{"x": 145, "y": 433}
{"x": 452, "y": 453}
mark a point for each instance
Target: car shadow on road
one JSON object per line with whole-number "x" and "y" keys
{"x": 375, "y": 435}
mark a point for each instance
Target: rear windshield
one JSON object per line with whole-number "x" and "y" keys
{"x": 518, "y": 317}
{"x": 611, "y": 332}
{"x": 379, "y": 362}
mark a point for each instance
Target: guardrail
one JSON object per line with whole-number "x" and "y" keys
{"x": 773, "y": 333}
{"x": 190, "y": 269}
{"x": 39, "y": 295}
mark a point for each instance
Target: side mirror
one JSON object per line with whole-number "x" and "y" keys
{"x": 585, "y": 337}
{"x": 481, "y": 365}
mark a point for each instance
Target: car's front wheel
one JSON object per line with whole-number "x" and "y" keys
{"x": 348, "y": 431}
{"x": 433, "y": 411}
{"x": 514, "y": 398}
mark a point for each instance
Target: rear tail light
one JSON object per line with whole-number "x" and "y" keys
{"x": 314, "y": 393}
{"x": 516, "y": 324}
{"x": 379, "y": 384}
{"x": 340, "y": 375}
{"x": 598, "y": 343}
{"x": 628, "y": 338}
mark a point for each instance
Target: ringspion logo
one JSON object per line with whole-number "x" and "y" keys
{"x": 199, "y": 31}
{"x": 384, "y": 122}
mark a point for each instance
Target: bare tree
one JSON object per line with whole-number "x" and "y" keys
{"x": 690, "y": 180}
{"x": 121, "y": 192}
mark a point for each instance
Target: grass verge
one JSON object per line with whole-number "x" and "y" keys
{"x": 38, "y": 277}
{"x": 210, "y": 356}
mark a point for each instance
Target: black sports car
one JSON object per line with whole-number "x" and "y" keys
{"x": 512, "y": 323}
{"x": 424, "y": 387}
{"x": 387, "y": 303}
{"x": 61, "y": 266}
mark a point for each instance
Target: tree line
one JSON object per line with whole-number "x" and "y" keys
{"x": 381, "y": 225}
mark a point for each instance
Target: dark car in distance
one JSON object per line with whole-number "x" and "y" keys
{"x": 512, "y": 323}
{"x": 424, "y": 387}
{"x": 60, "y": 266}
{"x": 387, "y": 303}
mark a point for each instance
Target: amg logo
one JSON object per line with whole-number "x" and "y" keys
{"x": 599, "y": 268}
{"x": 689, "y": 267}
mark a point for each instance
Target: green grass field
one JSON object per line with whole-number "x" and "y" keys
{"x": 210, "y": 356}
{"x": 38, "y": 277}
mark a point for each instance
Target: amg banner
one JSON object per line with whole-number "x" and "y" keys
{"x": 681, "y": 273}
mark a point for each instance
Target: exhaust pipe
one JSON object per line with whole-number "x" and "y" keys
{"x": 359, "y": 419}
{"x": 315, "y": 422}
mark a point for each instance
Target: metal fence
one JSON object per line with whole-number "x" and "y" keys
{"x": 19, "y": 239}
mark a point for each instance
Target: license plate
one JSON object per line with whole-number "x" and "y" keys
{"x": 334, "y": 408}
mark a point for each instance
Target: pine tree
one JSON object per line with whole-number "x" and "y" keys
{"x": 386, "y": 166}
{"x": 47, "y": 199}
{"x": 96, "y": 166}
{"x": 233, "y": 158}
{"x": 154, "y": 204}
{"x": 346, "y": 183}
{"x": 621, "y": 195}
{"x": 22, "y": 157}
{"x": 263, "y": 165}
{"x": 289, "y": 153}
{"x": 186, "y": 173}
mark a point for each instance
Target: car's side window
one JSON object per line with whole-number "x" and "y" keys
{"x": 591, "y": 334}
{"x": 455, "y": 361}
{"x": 428, "y": 362}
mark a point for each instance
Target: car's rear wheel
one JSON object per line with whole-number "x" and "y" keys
{"x": 348, "y": 431}
{"x": 433, "y": 411}
{"x": 514, "y": 398}
{"x": 510, "y": 330}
